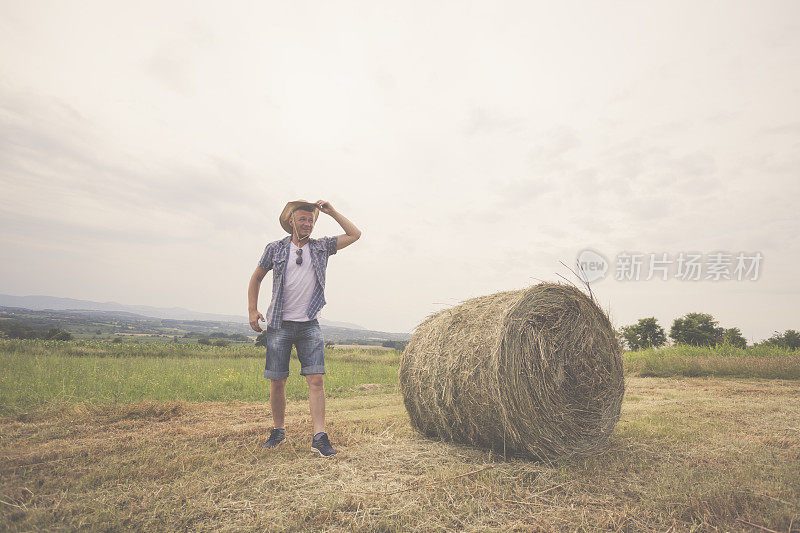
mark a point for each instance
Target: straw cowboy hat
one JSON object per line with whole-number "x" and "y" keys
{"x": 290, "y": 208}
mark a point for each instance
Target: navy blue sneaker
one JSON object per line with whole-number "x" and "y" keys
{"x": 321, "y": 444}
{"x": 276, "y": 437}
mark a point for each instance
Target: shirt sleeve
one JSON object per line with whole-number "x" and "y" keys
{"x": 266, "y": 258}
{"x": 330, "y": 244}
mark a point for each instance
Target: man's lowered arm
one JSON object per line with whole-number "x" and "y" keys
{"x": 252, "y": 298}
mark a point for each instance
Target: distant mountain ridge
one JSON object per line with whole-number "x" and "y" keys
{"x": 94, "y": 324}
{"x": 55, "y": 303}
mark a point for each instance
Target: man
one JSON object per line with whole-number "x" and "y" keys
{"x": 298, "y": 265}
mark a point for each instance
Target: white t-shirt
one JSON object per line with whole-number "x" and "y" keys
{"x": 299, "y": 284}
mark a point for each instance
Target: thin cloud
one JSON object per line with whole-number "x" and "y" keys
{"x": 439, "y": 135}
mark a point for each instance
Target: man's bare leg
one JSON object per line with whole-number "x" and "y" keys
{"x": 316, "y": 401}
{"x": 277, "y": 400}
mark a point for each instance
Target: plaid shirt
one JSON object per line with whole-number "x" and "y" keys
{"x": 274, "y": 258}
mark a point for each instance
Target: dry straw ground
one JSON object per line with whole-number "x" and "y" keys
{"x": 688, "y": 454}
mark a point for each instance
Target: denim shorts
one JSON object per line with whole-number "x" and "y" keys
{"x": 307, "y": 338}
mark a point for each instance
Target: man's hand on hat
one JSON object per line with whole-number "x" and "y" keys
{"x": 325, "y": 207}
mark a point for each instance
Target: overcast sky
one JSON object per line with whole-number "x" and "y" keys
{"x": 147, "y": 148}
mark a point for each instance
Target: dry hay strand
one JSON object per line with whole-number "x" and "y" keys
{"x": 534, "y": 372}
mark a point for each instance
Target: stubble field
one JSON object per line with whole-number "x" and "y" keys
{"x": 705, "y": 453}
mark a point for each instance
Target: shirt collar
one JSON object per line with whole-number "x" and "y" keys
{"x": 312, "y": 243}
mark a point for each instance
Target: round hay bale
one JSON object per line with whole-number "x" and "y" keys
{"x": 534, "y": 372}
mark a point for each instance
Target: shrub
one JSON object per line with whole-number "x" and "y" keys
{"x": 788, "y": 339}
{"x": 261, "y": 340}
{"x": 734, "y": 337}
{"x": 696, "y": 329}
{"x": 646, "y": 333}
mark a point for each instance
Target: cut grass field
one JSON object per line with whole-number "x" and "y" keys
{"x": 689, "y": 454}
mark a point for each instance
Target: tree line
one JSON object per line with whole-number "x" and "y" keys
{"x": 696, "y": 329}
{"x": 18, "y": 330}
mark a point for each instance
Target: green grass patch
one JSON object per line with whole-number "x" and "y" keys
{"x": 39, "y": 373}
{"x": 763, "y": 362}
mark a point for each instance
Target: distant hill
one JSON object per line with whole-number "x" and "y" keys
{"x": 85, "y": 315}
{"x": 40, "y": 303}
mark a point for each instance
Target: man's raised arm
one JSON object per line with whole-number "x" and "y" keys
{"x": 351, "y": 232}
